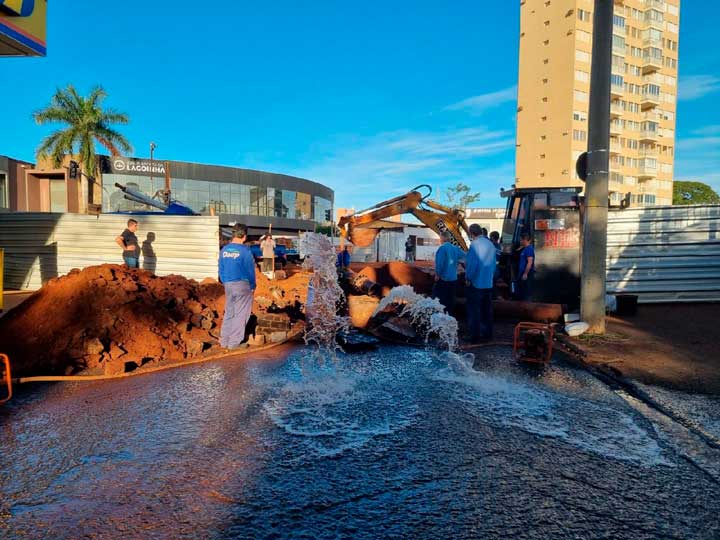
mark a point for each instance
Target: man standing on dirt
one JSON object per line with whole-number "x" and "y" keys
{"x": 268, "y": 253}
{"x": 128, "y": 242}
{"x": 447, "y": 258}
{"x": 479, "y": 272}
{"x": 237, "y": 274}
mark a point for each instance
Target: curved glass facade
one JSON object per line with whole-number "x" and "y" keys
{"x": 222, "y": 197}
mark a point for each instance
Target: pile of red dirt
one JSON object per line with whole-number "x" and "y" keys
{"x": 392, "y": 274}
{"x": 111, "y": 319}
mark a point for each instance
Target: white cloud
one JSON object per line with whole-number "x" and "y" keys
{"x": 698, "y": 158}
{"x": 365, "y": 171}
{"x": 707, "y": 130}
{"x": 697, "y": 86}
{"x": 478, "y": 104}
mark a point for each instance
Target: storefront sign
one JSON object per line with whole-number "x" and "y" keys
{"x": 141, "y": 167}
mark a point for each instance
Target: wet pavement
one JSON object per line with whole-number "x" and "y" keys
{"x": 397, "y": 443}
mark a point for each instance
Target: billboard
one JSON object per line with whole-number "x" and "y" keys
{"x": 22, "y": 27}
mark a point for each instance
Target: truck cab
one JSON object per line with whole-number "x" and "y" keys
{"x": 552, "y": 217}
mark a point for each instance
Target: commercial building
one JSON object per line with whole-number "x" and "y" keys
{"x": 256, "y": 198}
{"x": 554, "y": 92}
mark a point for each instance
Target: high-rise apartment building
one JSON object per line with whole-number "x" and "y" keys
{"x": 554, "y": 94}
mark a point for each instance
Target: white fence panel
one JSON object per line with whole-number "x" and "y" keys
{"x": 40, "y": 246}
{"x": 665, "y": 254}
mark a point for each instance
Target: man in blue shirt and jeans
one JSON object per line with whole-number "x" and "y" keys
{"x": 447, "y": 258}
{"x": 237, "y": 274}
{"x": 479, "y": 272}
{"x": 526, "y": 268}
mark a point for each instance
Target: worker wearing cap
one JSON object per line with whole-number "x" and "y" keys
{"x": 447, "y": 258}
{"x": 237, "y": 274}
{"x": 479, "y": 272}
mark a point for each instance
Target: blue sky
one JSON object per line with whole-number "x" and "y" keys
{"x": 371, "y": 98}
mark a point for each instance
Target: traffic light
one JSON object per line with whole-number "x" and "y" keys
{"x": 328, "y": 215}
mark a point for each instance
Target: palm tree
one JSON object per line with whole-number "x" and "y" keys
{"x": 87, "y": 124}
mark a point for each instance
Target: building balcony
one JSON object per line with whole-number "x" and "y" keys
{"x": 615, "y": 147}
{"x": 649, "y": 135}
{"x": 648, "y": 101}
{"x": 655, "y": 4}
{"x": 619, "y": 48}
{"x": 647, "y": 171}
{"x": 649, "y": 152}
{"x": 651, "y": 64}
{"x": 617, "y": 90}
{"x": 652, "y": 116}
{"x": 616, "y": 110}
{"x": 652, "y": 42}
{"x": 616, "y": 128}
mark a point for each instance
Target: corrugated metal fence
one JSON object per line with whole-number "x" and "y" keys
{"x": 40, "y": 246}
{"x": 665, "y": 254}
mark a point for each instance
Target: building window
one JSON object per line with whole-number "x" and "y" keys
{"x": 584, "y": 15}
{"x": 582, "y": 56}
{"x": 580, "y": 96}
{"x": 582, "y": 76}
{"x": 579, "y": 135}
{"x": 322, "y": 210}
{"x": 303, "y": 208}
{"x": 618, "y": 44}
{"x": 583, "y": 36}
{"x": 4, "y": 198}
{"x": 580, "y": 116}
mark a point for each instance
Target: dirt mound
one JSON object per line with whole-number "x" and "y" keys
{"x": 113, "y": 319}
{"x": 396, "y": 273}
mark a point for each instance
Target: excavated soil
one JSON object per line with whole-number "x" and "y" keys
{"x": 392, "y": 274}
{"x": 111, "y": 319}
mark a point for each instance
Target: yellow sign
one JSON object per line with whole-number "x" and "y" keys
{"x": 23, "y": 27}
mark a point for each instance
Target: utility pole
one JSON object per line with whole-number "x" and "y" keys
{"x": 153, "y": 146}
{"x": 594, "y": 246}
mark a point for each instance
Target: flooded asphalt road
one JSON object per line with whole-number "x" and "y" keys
{"x": 398, "y": 443}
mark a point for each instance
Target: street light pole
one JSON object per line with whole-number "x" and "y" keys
{"x": 153, "y": 146}
{"x": 594, "y": 246}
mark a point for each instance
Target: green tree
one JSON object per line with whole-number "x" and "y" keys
{"x": 87, "y": 123}
{"x": 460, "y": 196}
{"x": 694, "y": 193}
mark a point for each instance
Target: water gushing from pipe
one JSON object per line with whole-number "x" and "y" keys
{"x": 427, "y": 315}
{"x": 324, "y": 294}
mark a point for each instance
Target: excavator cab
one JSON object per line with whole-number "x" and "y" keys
{"x": 553, "y": 218}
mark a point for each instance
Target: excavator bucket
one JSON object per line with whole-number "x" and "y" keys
{"x": 5, "y": 379}
{"x": 363, "y": 237}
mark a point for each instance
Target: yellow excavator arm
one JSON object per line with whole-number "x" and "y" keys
{"x": 357, "y": 227}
